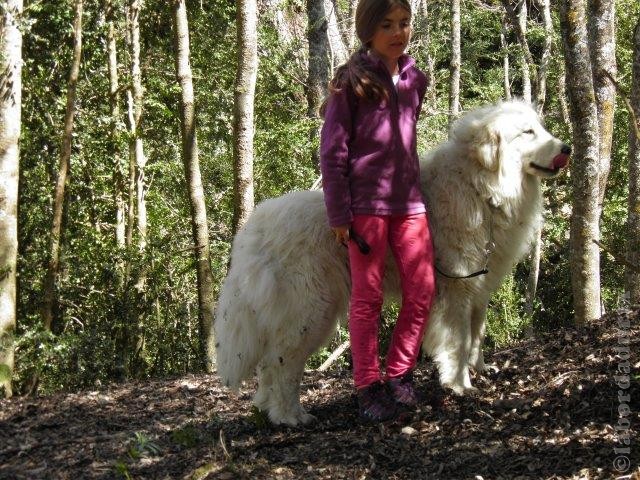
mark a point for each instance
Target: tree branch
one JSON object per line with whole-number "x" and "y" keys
{"x": 334, "y": 356}
{"x": 618, "y": 259}
{"x": 634, "y": 119}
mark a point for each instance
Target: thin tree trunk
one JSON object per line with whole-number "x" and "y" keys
{"x": 585, "y": 258}
{"x": 603, "y": 59}
{"x": 49, "y": 297}
{"x": 524, "y": 64}
{"x": 351, "y": 25}
{"x": 199, "y": 222}
{"x": 10, "y": 121}
{"x": 506, "y": 83}
{"x": 541, "y": 90}
{"x": 632, "y": 277}
{"x": 562, "y": 95}
{"x": 319, "y": 66}
{"x": 455, "y": 64}
{"x": 140, "y": 159}
{"x": 534, "y": 272}
{"x": 430, "y": 96}
{"x": 528, "y": 63}
{"x": 114, "y": 104}
{"x": 339, "y": 51}
{"x": 244, "y": 93}
{"x": 541, "y": 93}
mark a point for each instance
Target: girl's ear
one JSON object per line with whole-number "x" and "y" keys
{"x": 487, "y": 146}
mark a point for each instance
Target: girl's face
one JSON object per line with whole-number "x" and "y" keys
{"x": 392, "y": 35}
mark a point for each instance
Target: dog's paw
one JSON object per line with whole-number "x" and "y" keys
{"x": 461, "y": 390}
{"x": 293, "y": 419}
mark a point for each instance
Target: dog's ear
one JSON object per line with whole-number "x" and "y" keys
{"x": 488, "y": 145}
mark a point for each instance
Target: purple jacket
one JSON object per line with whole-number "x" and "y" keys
{"x": 368, "y": 154}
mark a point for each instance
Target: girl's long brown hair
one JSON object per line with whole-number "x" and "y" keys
{"x": 355, "y": 73}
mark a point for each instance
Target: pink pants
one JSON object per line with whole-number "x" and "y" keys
{"x": 410, "y": 242}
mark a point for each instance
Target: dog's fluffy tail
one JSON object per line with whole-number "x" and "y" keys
{"x": 240, "y": 337}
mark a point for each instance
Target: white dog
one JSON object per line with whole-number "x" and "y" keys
{"x": 289, "y": 280}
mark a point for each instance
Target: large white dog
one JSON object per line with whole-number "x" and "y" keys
{"x": 289, "y": 280}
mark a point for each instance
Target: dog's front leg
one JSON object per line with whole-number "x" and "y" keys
{"x": 478, "y": 322}
{"x": 448, "y": 341}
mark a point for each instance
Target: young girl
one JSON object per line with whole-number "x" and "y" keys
{"x": 371, "y": 184}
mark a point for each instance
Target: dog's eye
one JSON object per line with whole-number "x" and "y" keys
{"x": 530, "y": 132}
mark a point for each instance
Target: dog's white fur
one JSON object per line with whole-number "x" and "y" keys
{"x": 289, "y": 280}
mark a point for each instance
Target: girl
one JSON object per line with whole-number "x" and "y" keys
{"x": 371, "y": 183}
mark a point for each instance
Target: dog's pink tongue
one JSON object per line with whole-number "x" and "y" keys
{"x": 560, "y": 161}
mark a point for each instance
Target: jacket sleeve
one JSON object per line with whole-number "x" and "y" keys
{"x": 335, "y": 137}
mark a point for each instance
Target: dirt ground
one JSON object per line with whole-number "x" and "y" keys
{"x": 548, "y": 408}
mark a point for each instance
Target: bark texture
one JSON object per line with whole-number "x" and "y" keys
{"x": 243, "y": 129}
{"x": 10, "y": 121}
{"x": 191, "y": 161}
{"x": 602, "y": 42}
{"x": 506, "y": 81}
{"x": 541, "y": 90}
{"x": 455, "y": 64}
{"x": 137, "y": 145}
{"x": 319, "y": 67}
{"x": 585, "y": 259}
{"x": 339, "y": 53}
{"x": 524, "y": 62}
{"x": 114, "y": 106}
{"x": 49, "y": 297}
{"x": 632, "y": 276}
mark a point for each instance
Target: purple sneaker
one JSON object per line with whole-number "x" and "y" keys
{"x": 403, "y": 391}
{"x": 376, "y": 404}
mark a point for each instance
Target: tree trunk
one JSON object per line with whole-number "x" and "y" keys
{"x": 524, "y": 64}
{"x": 455, "y": 64}
{"x": 114, "y": 104}
{"x": 541, "y": 93}
{"x": 430, "y": 96}
{"x": 319, "y": 66}
{"x": 632, "y": 277}
{"x": 562, "y": 95}
{"x": 140, "y": 159}
{"x": 244, "y": 92}
{"x": 506, "y": 81}
{"x": 603, "y": 59}
{"x": 585, "y": 258}
{"x": 351, "y": 25}
{"x": 199, "y": 222}
{"x": 541, "y": 90}
{"x": 10, "y": 121}
{"x": 49, "y": 297}
{"x": 339, "y": 53}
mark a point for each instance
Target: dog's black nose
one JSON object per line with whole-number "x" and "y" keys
{"x": 566, "y": 149}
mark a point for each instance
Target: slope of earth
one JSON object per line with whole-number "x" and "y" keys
{"x": 558, "y": 406}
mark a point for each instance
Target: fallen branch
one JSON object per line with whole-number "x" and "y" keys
{"x": 334, "y": 356}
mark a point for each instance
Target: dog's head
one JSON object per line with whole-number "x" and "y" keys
{"x": 509, "y": 137}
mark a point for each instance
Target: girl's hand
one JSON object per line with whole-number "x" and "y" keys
{"x": 342, "y": 233}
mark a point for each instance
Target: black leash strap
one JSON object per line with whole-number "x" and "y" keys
{"x": 484, "y": 271}
{"x": 363, "y": 246}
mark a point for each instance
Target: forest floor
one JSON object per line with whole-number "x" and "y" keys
{"x": 547, "y": 409}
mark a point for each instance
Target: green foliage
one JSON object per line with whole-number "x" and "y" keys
{"x": 505, "y": 317}
{"x": 187, "y": 436}
{"x": 5, "y": 373}
{"x": 100, "y": 312}
{"x": 141, "y": 445}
